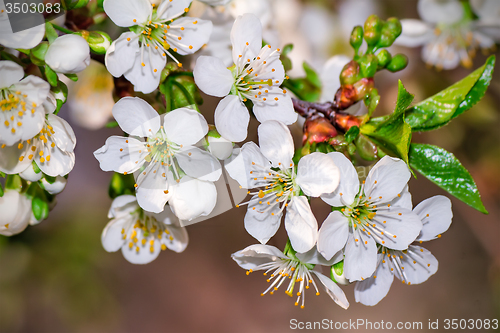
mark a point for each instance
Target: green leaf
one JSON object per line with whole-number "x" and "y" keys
{"x": 112, "y": 124}
{"x": 50, "y": 180}
{"x": 13, "y": 182}
{"x": 2, "y": 174}
{"x": 51, "y": 76}
{"x": 40, "y": 208}
{"x": 50, "y": 32}
{"x": 121, "y": 184}
{"x": 351, "y": 134}
{"x": 404, "y": 100}
{"x": 311, "y": 75}
{"x": 72, "y": 77}
{"x": 438, "y": 110}
{"x": 445, "y": 170}
{"x": 1, "y": 190}
{"x": 285, "y": 60}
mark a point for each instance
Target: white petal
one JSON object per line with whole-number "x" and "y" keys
{"x": 239, "y": 164}
{"x": 111, "y": 158}
{"x": 256, "y": 255}
{"x": 153, "y": 190}
{"x": 11, "y": 73}
{"x": 348, "y": 184}
{"x": 386, "y": 179}
{"x": 272, "y": 68}
{"x": 31, "y": 125}
{"x": 112, "y": 237}
{"x": 199, "y": 164}
{"x": 144, "y": 255}
{"x": 9, "y": 159}
{"x": 185, "y": 126}
{"x": 301, "y": 225}
{"x": 25, "y": 39}
{"x": 212, "y": 77}
{"x": 272, "y": 109}
{"x": 314, "y": 257}
{"x": 317, "y": 174}
{"x": 220, "y": 147}
{"x": 121, "y": 54}
{"x": 61, "y": 163}
{"x": 399, "y": 230}
{"x": 419, "y": 264}
{"x": 443, "y": 12}
{"x": 330, "y": 76}
{"x": 360, "y": 258}
{"x": 33, "y": 86}
{"x": 487, "y": 10}
{"x": 179, "y": 234}
{"x": 123, "y": 205}
{"x": 136, "y": 117}
{"x": 28, "y": 174}
{"x": 68, "y": 54}
{"x": 173, "y": 9}
{"x": 332, "y": 235}
{"x": 403, "y": 200}
{"x": 333, "y": 290}
{"x": 194, "y": 35}
{"x": 63, "y": 136}
{"x": 246, "y": 29}
{"x": 415, "y": 33}
{"x": 436, "y": 215}
{"x": 124, "y": 12}
{"x": 16, "y": 213}
{"x": 262, "y": 222}
{"x": 232, "y": 118}
{"x": 56, "y": 187}
{"x": 374, "y": 289}
{"x": 146, "y": 78}
{"x": 276, "y": 143}
{"x": 192, "y": 198}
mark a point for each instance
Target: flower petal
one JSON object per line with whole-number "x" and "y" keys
{"x": 278, "y": 106}
{"x": 415, "y": 33}
{"x": 119, "y": 154}
{"x": 333, "y": 234}
{"x": 442, "y": 12}
{"x": 333, "y": 290}
{"x": 185, "y": 126}
{"x": 400, "y": 227}
{"x": 60, "y": 163}
{"x": 386, "y": 179}
{"x": 276, "y": 143}
{"x": 123, "y": 205}
{"x": 256, "y": 255}
{"x": 111, "y": 237}
{"x": 180, "y": 238}
{"x": 136, "y": 117}
{"x": 152, "y": 189}
{"x": 121, "y": 54}
{"x": 330, "y": 76}
{"x": 212, "y": 77}
{"x": 261, "y": 221}
{"x": 314, "y": 257}
{"x": 246, "y": 37}
{"x": 192, "y": 198}
{"x": 301, "y": 225}
{"x": 24, "y": 39}
{"x": 360, "y": 257}
{"x": 372, "y": 290}
{"x": 199, "y": 164}
{"x": 436, "y": 215}
{"x": 171, "y": 9}
{"x": 239, "y": 164}
{"x": 16, "y": 213}
{"x": 141, "y": 254}
{"x": 194, "y": 33}
{"x": 33, "y": 86}
{"x": 317, "y": 174}
{"x": 419, "y": 264}
{"x": 63, "y": 135}
{"x": 11, "y": 73}
{"x": 232, "y": 118}
{"x": 146, "y": 78}
{"x": 10, "y": 159}
{"x": 126, "y": 13}
{"x": 403, "y": 200}
{"x": 348, "y": 184}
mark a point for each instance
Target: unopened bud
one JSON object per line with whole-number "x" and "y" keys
{"x": 68, "y": 54}
{"x": 366, "y": 149}
{"x": 318, "y": 129}
{"x": 98, "y": 41}
{"x": 356, "y": 37}
{"x": 398, "y": 62}
{"x": 373, "y": 28}
{"x": 368, "y": 65}
{"x": 384, "y": 58}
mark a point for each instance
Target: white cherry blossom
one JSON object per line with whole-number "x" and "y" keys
{"x": 280, "y": 184}
{"x": 377, "y": 212}
{"x": 24, "y": 39}
{"x": 296, "y": 268}
{"x": 141, "y": 54}
{"x": 256, "y": 75}
{"x": 413, "y": 265}
{"x": 139, "y": 234}
{"x": 21, "y": 101}
{"x": 168, "y": 166}
{"x": 68, "y": 54}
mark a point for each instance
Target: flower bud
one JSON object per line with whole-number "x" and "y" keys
{"x": 31, "y": 174}
{"x": 384, "y": 58}
{"x": 337, "y": 273}
{"x": 367, "y": 150}
{"x": 68, "y": 54}
{"x": 16, "y": 213}
{"x": 55, "y": 187}
{"x": 318, "y": 129}
{"x": 218, "y": 146}
{"x": 368, "y": 65}
{"x": 98, "y": 41}
{"x": 398, "y": 62}
{"x": 356, "y": 37}
{"x": 373, "y": 28}
{"x": 350, "y": 73}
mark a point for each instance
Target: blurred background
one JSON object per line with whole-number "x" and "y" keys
{"x": 56, "y": 277}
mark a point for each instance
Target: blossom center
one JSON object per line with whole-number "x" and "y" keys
{"x": 14, "y": 105}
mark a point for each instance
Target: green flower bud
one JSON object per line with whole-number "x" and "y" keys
{"x": 367, "y": 150}
{"x": 337, "y": 273}
{"x": 373, "y": 28}
{"x": 368, "y": 65}
{"x": 398, "y": 62}
{"x": 384, "y": 58}
{"x": 74, "y": 4}
{"x": 356, "y": 37}
{"x": 98, "y": 41}
{"x": 390, "y": 31}
{"x": 394, "y": 25}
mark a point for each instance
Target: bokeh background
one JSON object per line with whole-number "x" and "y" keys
{"x": 56, "y": 277}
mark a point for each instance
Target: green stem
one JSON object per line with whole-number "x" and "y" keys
{"x": 62, "y": 29}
